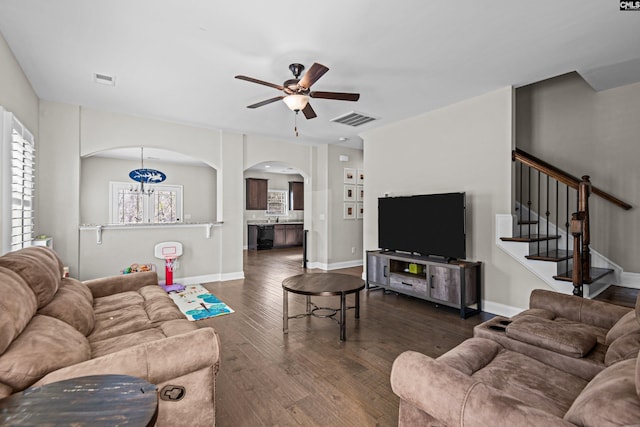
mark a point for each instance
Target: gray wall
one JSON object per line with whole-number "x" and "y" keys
{"x": 17, "y": 97}
{"x": 199, "y": 187}
{"x": 346, "y": 234}
{"x": 566, "y": 123}
{"x": 463, "y": 147}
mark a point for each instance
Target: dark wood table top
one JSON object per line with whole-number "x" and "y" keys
{"x": 323, "y": 284}
{"x": 98, "y": 400}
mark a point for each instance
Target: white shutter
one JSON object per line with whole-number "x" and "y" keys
{"x": 18, "y": 184}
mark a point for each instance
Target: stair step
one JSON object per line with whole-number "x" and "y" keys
{"x": 527, "y": 222}
{"x": 551, "y": 256}
{"x": 531, "y": 238}
{"x": 596, "y": 274}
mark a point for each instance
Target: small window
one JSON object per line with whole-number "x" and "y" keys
{"x": 19, "y": 163}
{"x": 164, "y": 205}
{"x": 277, "y": 202}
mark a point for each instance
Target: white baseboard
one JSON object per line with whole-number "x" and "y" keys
{"x": 500, "y": 309}
{"x": 630, "y": 280}
{"x": 206, "y": 278}
{"x": 335, "y": 265}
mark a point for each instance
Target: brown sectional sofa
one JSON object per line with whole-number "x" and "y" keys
{"x": 54, "y": 328}
{"x": 566, "y": 361}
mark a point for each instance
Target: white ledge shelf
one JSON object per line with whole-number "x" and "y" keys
{"x": 99, "y": 228}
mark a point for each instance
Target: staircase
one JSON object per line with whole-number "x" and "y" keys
{"x": 555, "y": 245}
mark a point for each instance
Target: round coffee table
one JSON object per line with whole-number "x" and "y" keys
{"x": 324, "y": 285}
{"x": 97, "y": 400}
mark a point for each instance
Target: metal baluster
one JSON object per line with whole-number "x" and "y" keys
{"x": 547, "y": 213}
{"x": 538, "y": 209}
{"x": 529, "y": 199}
{"x": 520, "y": 199}
{"x": 557, "y": 208}
{"x": 567, "y": 228}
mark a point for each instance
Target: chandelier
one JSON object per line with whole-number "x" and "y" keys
{"x": 148, "y": 176}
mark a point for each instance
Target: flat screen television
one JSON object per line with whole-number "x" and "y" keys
{"x": 429, "y": 225}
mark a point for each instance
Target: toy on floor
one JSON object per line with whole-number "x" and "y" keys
{"x": 169, "y": 251}
{"x": 138, "y": 268}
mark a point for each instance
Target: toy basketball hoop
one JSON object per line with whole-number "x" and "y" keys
{"x": 169, "y": 252}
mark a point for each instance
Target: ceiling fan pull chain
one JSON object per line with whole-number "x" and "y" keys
{"x": 295, "y": 123}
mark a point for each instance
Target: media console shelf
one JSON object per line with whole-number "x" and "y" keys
{"x": 455, "y": 284}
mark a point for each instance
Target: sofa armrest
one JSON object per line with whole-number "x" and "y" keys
{"x": 454, "y": 398}
{"x": 155, "y": 361}
{"x": 125, "y": 282}
{"x": 591, "y": 312}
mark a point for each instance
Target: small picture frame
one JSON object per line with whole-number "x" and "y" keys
{"x": 360, "y": 211}
{"x": 350, "y": 193}
{"x": 360, "y": 177}
{"x": 360, "y": 193}
{"x": 349, "y": 210}
{"x": 349, "y": 176}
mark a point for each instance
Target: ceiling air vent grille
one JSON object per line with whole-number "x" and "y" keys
{"x": 104, "y": 79}
{"x": 353, "y": 119}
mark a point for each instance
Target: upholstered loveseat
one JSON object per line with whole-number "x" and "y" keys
{"x": 53, "y": 328}
{"x": 531, "y": 370}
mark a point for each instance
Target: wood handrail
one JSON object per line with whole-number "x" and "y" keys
{"x": 563, "y": 177}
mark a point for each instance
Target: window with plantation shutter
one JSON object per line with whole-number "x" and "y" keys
{"x": 18, "y": 184}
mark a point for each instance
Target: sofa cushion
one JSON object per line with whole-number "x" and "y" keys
{"x": 166, "y": 329}
{"x": 72, "y": 293}
{"x": 568, "y": 338}
{"x": 609, "y": 399}
{"x": 39, "y": 267}
{"x": 538, "y": 312}
{"x": 45, "y": 345}
{"x": 117, "y": 301}
{"x": 162, "y": 309}
{"x": 521, "y": 377}
{"x": 623, "y": 348}
{"x": 120, "y": 322}
{"x": 628, "y": 323}
{"x": 18, "y": 304}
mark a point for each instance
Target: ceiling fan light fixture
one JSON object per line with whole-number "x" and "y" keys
{"x": 296, "y": 102}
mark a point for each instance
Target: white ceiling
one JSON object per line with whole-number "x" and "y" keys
{"x": 176, "y": 60}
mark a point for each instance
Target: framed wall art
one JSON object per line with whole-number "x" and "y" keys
{"x": 349, "y": 210}
{"x": 349, "y": 176}
{"x": 349, "y": 193}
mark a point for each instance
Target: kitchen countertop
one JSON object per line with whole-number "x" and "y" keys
{"x": 273, "y": 222}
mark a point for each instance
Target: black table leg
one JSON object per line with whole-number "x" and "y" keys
{"x": 343, "y": 316}
{"x": 357, "y": 304}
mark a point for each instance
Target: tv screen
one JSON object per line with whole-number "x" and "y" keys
{"x": 430, "y": 224}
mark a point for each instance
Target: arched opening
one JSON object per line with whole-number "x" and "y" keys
{"x": 274, "y": 207}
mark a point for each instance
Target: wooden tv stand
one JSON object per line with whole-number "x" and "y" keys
{"x": 455, "y": 284}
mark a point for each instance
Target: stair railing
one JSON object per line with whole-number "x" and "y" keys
{"x": 536, "y": 194}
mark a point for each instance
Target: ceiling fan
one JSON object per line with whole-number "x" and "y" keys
{"x": 298, "y": 91}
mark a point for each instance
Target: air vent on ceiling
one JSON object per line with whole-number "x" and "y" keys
{"x": 353, "y": 119}
{"x": 104, "y": 79}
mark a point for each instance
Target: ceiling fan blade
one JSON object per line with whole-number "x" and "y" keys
{"x": 312, "y": 75}
{"x": 260, "y": 82}
{"x": 265, "y": 102}
{"x": 308, "y": 112}
{"x": 340, "y": 96}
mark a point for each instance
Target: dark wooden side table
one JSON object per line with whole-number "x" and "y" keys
{"x": 322, "y": 284}
{"x": 97, "y": 400}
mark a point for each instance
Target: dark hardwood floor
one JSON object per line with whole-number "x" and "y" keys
{"x": 309, "y": 377}
{"x": 619, "y": 295}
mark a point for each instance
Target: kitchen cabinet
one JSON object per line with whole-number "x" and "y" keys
{"x": 285, "y": 235}
{"x": 256, "y": 194}
{"x": 296, "y": 195}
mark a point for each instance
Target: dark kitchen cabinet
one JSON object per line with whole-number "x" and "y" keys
{"x": 296, "y": 196}
{"x": 256, "y": 194}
